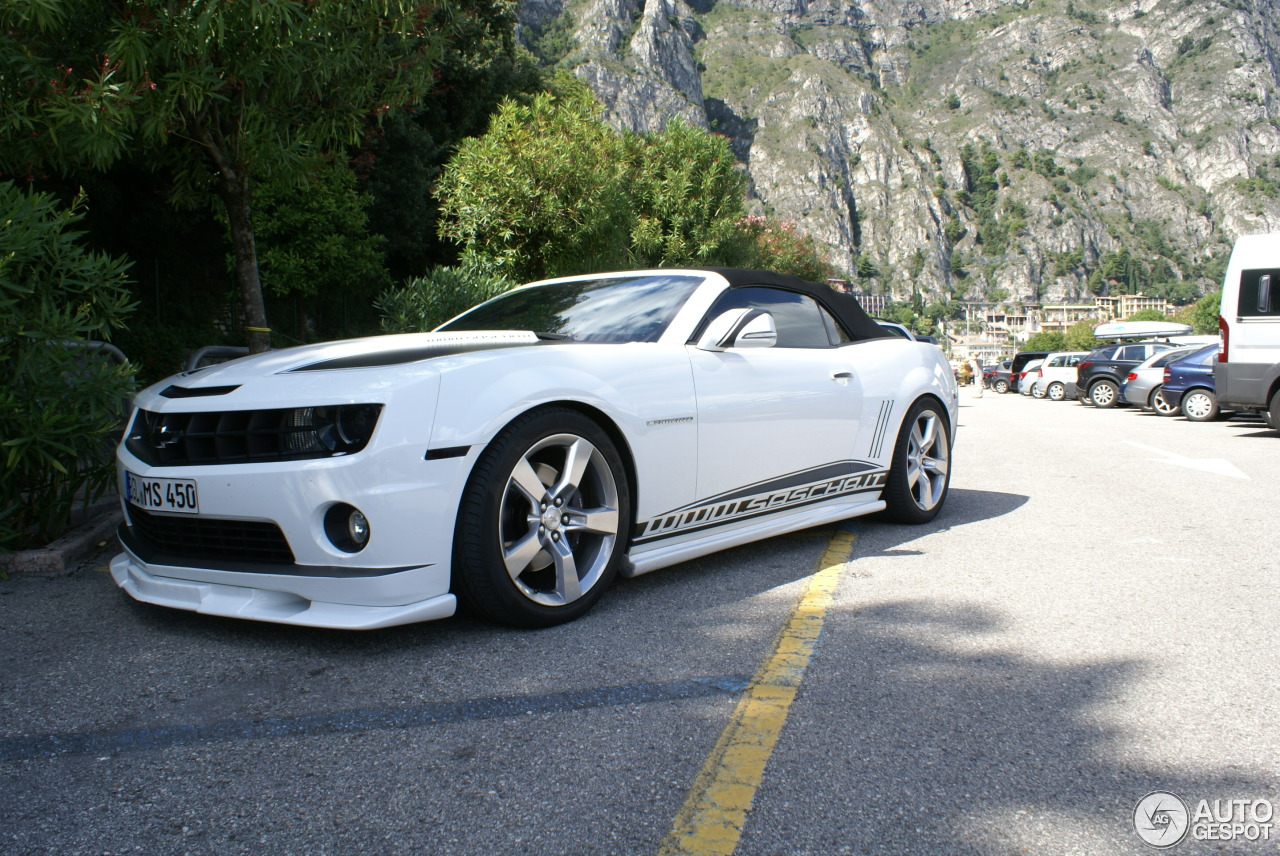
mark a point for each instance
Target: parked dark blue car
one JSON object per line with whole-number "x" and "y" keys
{"x": 1188, "y": 386}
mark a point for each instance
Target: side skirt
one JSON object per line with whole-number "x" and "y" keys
{"x": 646, "y": 558}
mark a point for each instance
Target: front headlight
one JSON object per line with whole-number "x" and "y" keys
{"x": 337, "y": 430}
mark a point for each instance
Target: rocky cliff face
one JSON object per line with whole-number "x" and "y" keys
{"x": 1030, "y": 150}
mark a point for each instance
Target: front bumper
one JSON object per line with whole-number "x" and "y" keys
{"x": 364, "y": 603}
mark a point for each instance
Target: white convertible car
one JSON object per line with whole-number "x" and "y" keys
{"x": 524, "y": 454}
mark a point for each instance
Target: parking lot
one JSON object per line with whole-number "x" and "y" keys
{"x": 1092, "y": 618}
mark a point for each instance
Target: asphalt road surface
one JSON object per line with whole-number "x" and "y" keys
{"x": 1094, "y": 617}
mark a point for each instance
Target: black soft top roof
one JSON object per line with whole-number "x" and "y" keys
{"x": 845, "y": 307}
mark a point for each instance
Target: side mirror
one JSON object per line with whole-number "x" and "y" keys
{"x": 740, "y": 328}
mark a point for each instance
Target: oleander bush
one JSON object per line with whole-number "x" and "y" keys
{"x": 62, "y": 401}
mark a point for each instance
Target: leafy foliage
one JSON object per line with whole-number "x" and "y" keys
{"x": 779, "y": 246}
{"x": 313, "y": 242}
{"x": 425, "y": 303}
{"x": 544, "y": 191}
{"x": 401, "y": 159}
{"x": 223, "y": 93}
{"x": 688, "y": 195}
{"x": 1046, "y": 340}
{"x": 1203, "y": 314}
{"x": 61, "y": 403}
{"x": 551, "y": 190}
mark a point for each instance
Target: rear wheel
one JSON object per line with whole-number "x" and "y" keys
{"x": 920, "y": 472}
{"x": 1056, "y": 392}
{"x": 543, "y": 522}
{"x": 1273, "y": 411}
{"x": 1037, "y": 390}
{"x": 1200, "y": 405}
{"x": 1159, "y": 405}
{"x": 1001, "y": 386}
{"x": 1104, "y": 394}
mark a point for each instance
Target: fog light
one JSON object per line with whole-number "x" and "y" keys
{"x": 358, "y": 527}
{"x": 347, "y": 528}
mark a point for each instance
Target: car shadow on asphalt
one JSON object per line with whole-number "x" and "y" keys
{"x": 939, "y": 743}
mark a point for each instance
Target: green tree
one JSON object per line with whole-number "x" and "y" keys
{"x": 426, "y": 302}
{"x": 1080, "y": 336}
{"x": 402, "y": 159}
{"x": 1203, "y": 314}
{"x": 223, "y": 94}
{"x": 688, "y": 193}
{"x": 60, "y": 405}
{"x": 551, "y": 190}
{"x": 1147, "y": 315}
{"x": 1046, "y": 340}
{"x": 544, "y": 191}
{"x": 778, "y": 246}
{"x": 313, "y": 243}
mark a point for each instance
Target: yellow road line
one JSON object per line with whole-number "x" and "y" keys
{"x": 711, "y": 820}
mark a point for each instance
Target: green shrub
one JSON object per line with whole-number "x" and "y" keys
{"x": 426, "y": 302}
{"x": 61, "y": 405}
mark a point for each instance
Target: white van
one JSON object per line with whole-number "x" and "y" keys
{"x": 1247, "y": 373}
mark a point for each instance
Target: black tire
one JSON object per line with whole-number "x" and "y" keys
{"x": 1056, "y": 392}
{"x": 1199, "y": 405}
{"x": 1104, "y": 394}
{"x": 920, "y": 472}
{"x": 1273, "y": 411}
{"x": 1001, "y": 386}
{"x": 544, "y": 521}
{"x": 1038, "y": 391}
{"x": 1159, "y": 405}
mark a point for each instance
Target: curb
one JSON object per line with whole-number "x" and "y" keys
{"x": 59, "y": 558}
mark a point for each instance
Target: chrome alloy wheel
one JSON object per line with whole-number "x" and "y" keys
{"x": 559, "y": 520}
{"x": 928, "y": 460}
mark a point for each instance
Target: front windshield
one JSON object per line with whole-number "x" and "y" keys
{"x": 612, "y": 309}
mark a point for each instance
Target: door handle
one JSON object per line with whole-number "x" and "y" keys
{"x": 842, "y": 375}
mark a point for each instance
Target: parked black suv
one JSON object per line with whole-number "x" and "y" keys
{"x": 1100, "y": 375}
{"x": 1007, "y": 380}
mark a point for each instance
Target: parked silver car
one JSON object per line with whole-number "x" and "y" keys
{"x": 1142, "y": 387}
{"x": 1056, "y": 377}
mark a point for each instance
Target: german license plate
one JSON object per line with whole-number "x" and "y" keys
{"x": 174, "y": 495}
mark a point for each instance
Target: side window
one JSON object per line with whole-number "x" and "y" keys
{"x": 1074, "y": 360}
{"x": 1260, "y": 293}
{"x": 1133, "y": 352}
{"x": 1208, "y": 357}
{"x": 799, "y": 319}
{"x": 835, "y": 333}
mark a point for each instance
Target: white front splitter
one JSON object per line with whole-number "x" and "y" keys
{"x": 266, "y": 604}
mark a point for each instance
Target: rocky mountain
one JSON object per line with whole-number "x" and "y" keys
{"x": 1028, "y": 150}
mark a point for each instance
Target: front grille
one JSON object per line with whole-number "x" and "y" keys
{"x": 182, "y": 540}
{"x": 251, "y": 436}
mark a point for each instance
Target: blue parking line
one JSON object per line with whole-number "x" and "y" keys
{"x": 378, "y": 719}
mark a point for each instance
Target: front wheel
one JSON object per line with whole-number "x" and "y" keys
{"x": 1159, "y": 405}
{"x": 1104, "y": 393}
{"x": 543, "y": 522}
{"x": 1200, "y": 405}
{"x": 1056, "y": 391}
{"x": 920, "y": 472}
